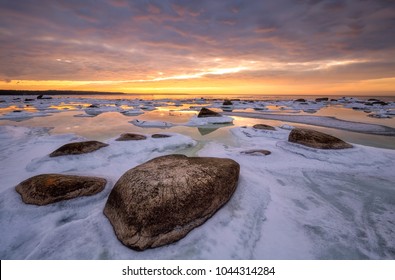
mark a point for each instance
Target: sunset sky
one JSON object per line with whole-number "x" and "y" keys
{"x": 214, "y": 47}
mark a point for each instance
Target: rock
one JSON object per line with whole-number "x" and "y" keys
{"x": 160, "y": 201}
{"x": 227, "y": 102}
{"x": 382, "y": 103}
{"x": 300, "y": 100}
{"x": 263, "y": 126}
{"x": 130, "y": 137}
{"x": 204, "y": 113}
{"x": 315, "y": 139}
{"x": 78, "y": 148}
{"x": 256, "y": 152}
{"x": 49, "y": 188}
{"x": 43, "y": 97}
{"x": 320, "y": 99}
{"x": 158, "y": 135}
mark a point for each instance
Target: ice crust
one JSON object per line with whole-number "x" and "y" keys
{"x": 297, "y": 203}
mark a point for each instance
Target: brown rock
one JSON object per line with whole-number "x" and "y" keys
{"x": 315, "y": 139}
{"x": 227, "y": 102}
{"x": 49, "y": 188}
{"x": 263, "y": 126}
{"x": 78, "y": 148}
{"x": 160, "y": 201}
{"x": 257, "y": 152}
{"x": 158, "y": 135}
{"x": 204, "y": 113}
{"x": 131, "y": 137}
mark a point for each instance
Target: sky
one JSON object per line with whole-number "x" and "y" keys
{"x": 205, "y": 47}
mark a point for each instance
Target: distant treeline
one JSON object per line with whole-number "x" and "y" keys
{"x": 54, "y": 92}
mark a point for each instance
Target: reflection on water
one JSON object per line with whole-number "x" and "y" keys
{"x": 112, "y": 124}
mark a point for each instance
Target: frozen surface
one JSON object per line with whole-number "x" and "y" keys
{"x": 297, "y": 203}
{"x": 323, "y": 121}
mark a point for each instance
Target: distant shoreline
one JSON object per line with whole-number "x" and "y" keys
{"x": 56, "y": 92}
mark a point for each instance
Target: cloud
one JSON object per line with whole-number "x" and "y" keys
{"x": 134, "y": 40}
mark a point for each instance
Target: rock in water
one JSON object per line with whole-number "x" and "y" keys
{"x": 131, "y": 137}
{"x": 78, "y": 148}
{"x": 49, "y": 188}
{"x": 315, "y": 139}
{"x": 160, "y": 201}
{"x": 204, "y": 113}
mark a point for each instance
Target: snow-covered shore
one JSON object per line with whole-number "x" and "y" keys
{"x": 296, "y": 203}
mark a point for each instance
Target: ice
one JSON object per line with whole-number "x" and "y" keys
{"x": 296, "y": 203}
{"x": 22, "y": 115}
{"x": 322, "y": 121}
{"x": 195, "y": 121}
{"x": 141, "y": 123}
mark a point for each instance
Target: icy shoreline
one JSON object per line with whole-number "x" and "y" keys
{"x": 296, "y": 203}
{"x": 330, "y": 122}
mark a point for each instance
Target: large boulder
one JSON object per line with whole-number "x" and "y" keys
{"x": 78, "y": 148}
{"x": 315, "y": 139}
{"x": 204, "y": 113}
{"x": 49, "y": 188}
{"x": 160, "y": 201}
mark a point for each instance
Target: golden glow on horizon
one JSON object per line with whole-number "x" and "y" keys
{"x": 227, "y": 77}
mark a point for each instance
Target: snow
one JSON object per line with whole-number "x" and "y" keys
{"x": 195, "y": 121}
{"x": 322, "y": 121}
{"x": 141, "y": 123}
{"x": 296, "y": 203}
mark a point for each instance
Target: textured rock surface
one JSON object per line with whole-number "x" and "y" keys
{"x": 263, "y": 126}
{"x": 78, "y": 148}
{"x": 131, "y": 137}
{"x": 49, "y": 188}
{"x": 204, "y": 113}
{"x": 315, "y": 139}
{"x": 160, "y": 201}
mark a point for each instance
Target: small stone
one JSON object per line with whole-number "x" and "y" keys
{"x": 256, "y": 152}
{"x": 204, "y": 113}
{"x": 263, "y": 127}
{"x": 227, "y": 102}
{"x": 158, "y": 135}
{"x": 49, "y": 188}
{"x": 315, "y": 139}
{"x": 131, "y": 137}
{"x": 78, "y": 148}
